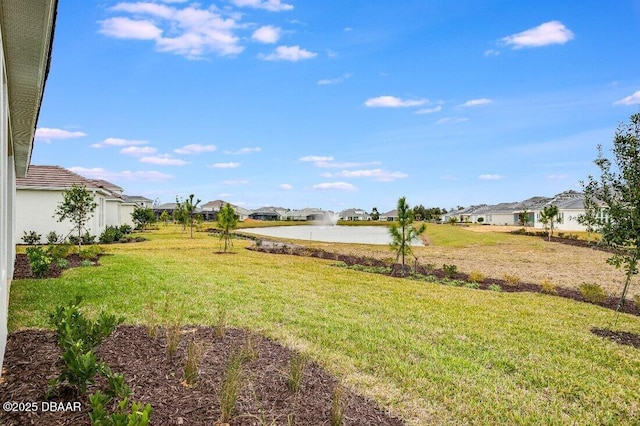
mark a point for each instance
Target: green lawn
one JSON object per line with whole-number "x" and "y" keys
{"x": 431, "y": 353}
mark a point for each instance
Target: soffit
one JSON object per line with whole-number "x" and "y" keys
{"x": 27, "y": 34}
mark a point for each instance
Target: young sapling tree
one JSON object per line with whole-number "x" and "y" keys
{"x": 77, "y": 206}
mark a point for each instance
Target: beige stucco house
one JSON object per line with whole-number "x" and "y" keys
{"x": 26, "y": 36}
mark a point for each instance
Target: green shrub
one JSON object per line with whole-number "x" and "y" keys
{"x": 31, "y": 238}
{"x": 592, "y": 292}
{"x": 62, "y": 263}
{"x": 495, "y": 287}
{"x": 126, "y": 229}
{"x": 58, "y": 251}
{"x": 450, "y": 271}
{"x": 91, "y": 252}
{"x": 110, "y": 235}
{"x": 472, "y": 285}
{"x": 39, "y": 261}
{"x": 85, "y": 263}
{"x": 53, "y": 238}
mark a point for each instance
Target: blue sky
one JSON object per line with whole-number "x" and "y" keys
{"x": 339, "y": 104}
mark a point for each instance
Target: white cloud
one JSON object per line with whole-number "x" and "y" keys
{"x": 45, "y": 134}
{"x": 476, "y": 102}
{"x": 491, "y": 52}
{"x": 118, "y": 142}
{"x": 190, "y": 31}
{"x": 315, "y": 158}
{"x": 490, "y": 177}
{"x": 379, "y": 175}
{"x": 336, "y": 80}
{"x": 393, "y": 102}
{"x": 235, "y": 182}
{"x": 100, "y": 173}
{"x": 224, "y": 165}
{"x": 163, "y": 160}
{"x": 340, "y": 186}
{"x": 559, "y": 176}
{"x": 195, "y": 149}
{"x": 120, "y": 27}
{"x": 242, "y": 151}
{"x": 451, "y": 120}
{"x": 552, "y": 32}
{"x": 285, "y": 186}
{"x": 289, "y": 53}
{"x": 138, "y": 151}
{"x": 267, "y": 34}
{"x": 270, "y": 5}
{"x": 629, "y": 100}
{"x": 429, "y": 110}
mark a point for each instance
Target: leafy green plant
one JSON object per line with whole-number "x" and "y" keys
{"x": 110, "y": 235}
{"x": 91, "y": 252}
{"x": 127, "y": 413}
{"x": 297, "y": 364}
{"x": 495, "y": 287}
{"x": 548, "y": 287}
{"x": 592, "y": 292}
{"x": 77, "y": 206}
{"x": 472, "y": 285}
{"x": 231, "y": 383}
{"x": 31, "y": 238}
{"x": 125, "y": 229}
{"x": 86, "y": 263}
{"x": 53, "y": 238}
{"x": 227, "y": 221}
{"x": 39, "y": 261}
{"x": 142, "y": 217}
{"x": 195, "y": 352}
{"x": 58, "y": 251}
{"x": 450, "y": 271}
{"x": 476, "y": 277}
{"x": 62, "y": 263}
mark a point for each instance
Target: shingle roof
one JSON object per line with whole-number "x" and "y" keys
{"x": 53, "y": 177}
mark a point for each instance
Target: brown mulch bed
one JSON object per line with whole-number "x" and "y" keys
{"x": 23, "y": 270}
{"x": 350, "y": 260}
{"x": 32, "y": 359}
{"x": 620, "y": 337}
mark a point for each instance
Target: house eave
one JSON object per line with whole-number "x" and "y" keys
{"x": 27, "y": 37}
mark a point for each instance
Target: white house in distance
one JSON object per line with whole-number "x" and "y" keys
{"x": 26, "y": 37}
{"x": 39, "y": 193}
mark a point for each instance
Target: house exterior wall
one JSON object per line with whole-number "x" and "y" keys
{"x": 501, "y": 219}
{"x": 7, "y": 195}
{"x": 35, "y": 211}
{"x": 112, "y": 212}
{"x": 126, "y": 210}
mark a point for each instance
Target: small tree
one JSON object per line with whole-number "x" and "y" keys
{"x": 227, "y": 221}
{"x": 548, "y": 217}
{"x": 189, "y": 209}
{"x": 142, "y": 217}
{"x": 78, "y": 207}
{"x": 403, "y": 233}
{"x": 375, "y": 215}
{"x": 164, "y": 217}
{"x": 612, "y": 203}
{"x": 524, "y": 218}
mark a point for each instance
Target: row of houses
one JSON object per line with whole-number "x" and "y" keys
{"x": 570, "y": 206}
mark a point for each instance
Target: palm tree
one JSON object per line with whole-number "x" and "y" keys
{"x": 403, "y": 233}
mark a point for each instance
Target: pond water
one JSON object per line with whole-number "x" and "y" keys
{"x": 330, "y": 234}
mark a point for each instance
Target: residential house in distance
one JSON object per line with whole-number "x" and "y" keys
{"x": 269, "y": 213}
{"x": 39, "y": 193}
{"x": 26, "y": 38}
{"x": 210, "y": 210}
{"x": 129, "y": 205}
{"x": 354, "y": 214}
{"x": 312, "y": 214}
{"x": 389, "y": 216}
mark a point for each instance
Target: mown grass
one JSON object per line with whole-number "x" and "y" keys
{"x": 431, "y": 353}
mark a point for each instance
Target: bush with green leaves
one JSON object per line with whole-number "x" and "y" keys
{"x": 58, "y": 251}
{"x": 54, "y": 238}
{"x": 77, "y": 337}
{"x": 126, "y": 229}
{"x": 124, "y": 411}
{"x": 39, "y": 261}
{"x": 592, "y": 292}
{"x": 91, "y": 252}
{"x": 450, "y": 271}
{"x": 31, "y": 238}
{"x": 110, "y": 235}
